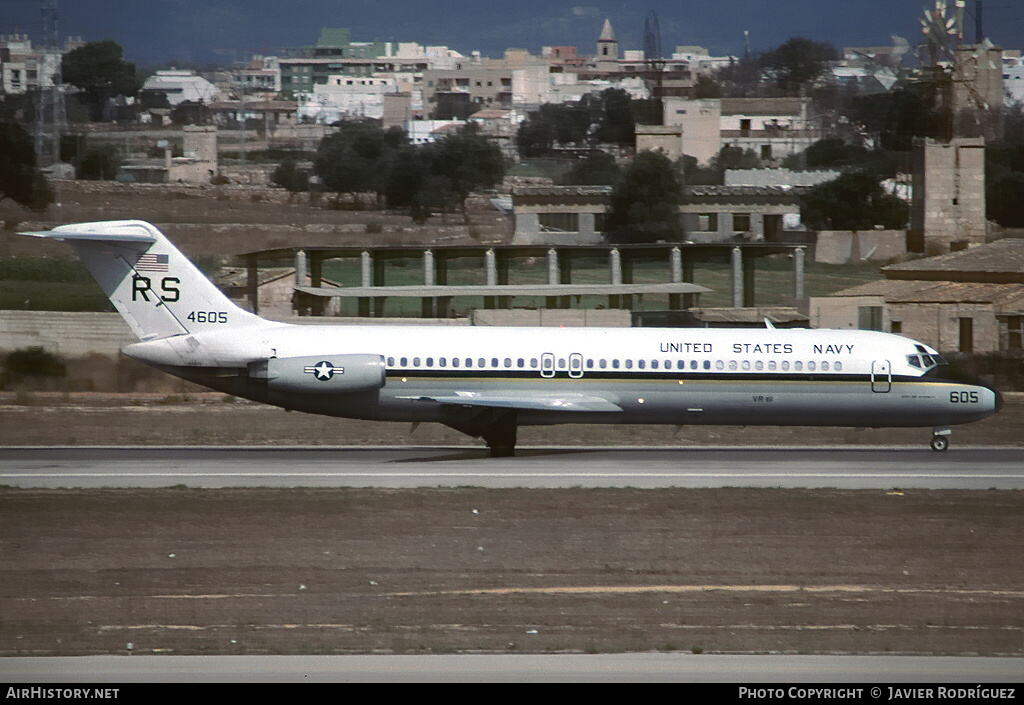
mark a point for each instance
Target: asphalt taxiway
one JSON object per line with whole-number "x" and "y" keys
{"x": 547, "y": 467}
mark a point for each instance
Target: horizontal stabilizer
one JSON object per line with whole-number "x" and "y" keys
{"x": 110, "y": 231}
{"x": 531, "y": 402}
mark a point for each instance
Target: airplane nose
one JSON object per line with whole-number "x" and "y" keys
{"x": 999, "y": 398}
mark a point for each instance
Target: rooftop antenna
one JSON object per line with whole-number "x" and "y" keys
{"x": 652, "y": 56}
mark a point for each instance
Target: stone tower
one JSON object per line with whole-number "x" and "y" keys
{"x": 948, "y": 208}
{"x": 607, "y": 44}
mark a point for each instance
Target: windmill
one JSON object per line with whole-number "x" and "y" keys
{"x": 885, "y": 68}
{"x": 956, "y": 70}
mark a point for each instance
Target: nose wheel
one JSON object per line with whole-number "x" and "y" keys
{"x": 940, "y": 443}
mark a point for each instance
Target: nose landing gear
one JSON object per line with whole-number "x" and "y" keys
{"x": 940, "y": 441}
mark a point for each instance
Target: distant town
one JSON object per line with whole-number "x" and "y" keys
{"x": 906, "y": 158}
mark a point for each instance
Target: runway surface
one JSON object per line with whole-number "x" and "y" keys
{"x": 709, "y": 668}
{"x": 396, "y": 467}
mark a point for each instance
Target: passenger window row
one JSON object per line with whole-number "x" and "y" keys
{"x": 629, "y": 364}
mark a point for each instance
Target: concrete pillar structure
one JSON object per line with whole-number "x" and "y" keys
{"x": 428, "y": 267}
{"x": 490, "y": 275}
{"x": 552, "y": 301}
{"x": 798, "y": 273}
{"x": 736, "y": 278}
{"x": 552, "y": 266}
{"x": 427, "y": 303}
{"x": 300, "y": 268}
{"x": 675, "y": 258}
{"x": 614, "y": 266}
{"x": 365, "y": 269}
{"x": 491, "y": 265}
{"x": 365, "y": 280}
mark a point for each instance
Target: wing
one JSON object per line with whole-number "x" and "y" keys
{"x": 524, "y": 401}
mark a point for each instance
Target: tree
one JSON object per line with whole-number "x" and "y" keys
{"x": 897, "y": 117}
{"x": 797, "y": 61}
{"x": 853, "y": 201}
{"x": 834, "y": 151}
{"x": 596, "y": 169}
{"x": 19, "y": 179}
{"x": 706, "y": 87}
{"x": 616, "y": 123}
{"x": 468, "y": 160}
{"x": 1004, "y": 182}
{"x": 609, "y": 117}
{"x": 1003, "y": 198}
{"x": 288, "y": 175}
{"x": 645, "y": 201}
{"x": 99, "y": 69}
{"x": 406, "y": 172}
{"x": 354, "y": 159}
{"x": 99, "y": 164}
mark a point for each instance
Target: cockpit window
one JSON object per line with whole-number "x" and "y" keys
{"x": 925, "y": 360}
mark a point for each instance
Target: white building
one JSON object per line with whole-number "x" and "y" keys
{"x": 23, "y": 68}
{"x": 699, "y": 59}
{"x": 427, "y": 131}
{"x": 261, "y": 75}
{"x": 181, "y": 86}
{"x": 1013, "y": 78}
{"x": 346, "y": 97}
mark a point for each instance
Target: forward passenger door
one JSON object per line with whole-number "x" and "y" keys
{"x": 881, "y": 376}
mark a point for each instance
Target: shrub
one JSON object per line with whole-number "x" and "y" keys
{"x": 32, "y": 362}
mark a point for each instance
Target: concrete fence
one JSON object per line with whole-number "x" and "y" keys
{"x": 852, "y": 246}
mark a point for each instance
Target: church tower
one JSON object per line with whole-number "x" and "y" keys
{"x": 607, "y": 44}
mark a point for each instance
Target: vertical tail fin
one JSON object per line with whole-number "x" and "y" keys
{"x": 157, "y": 290}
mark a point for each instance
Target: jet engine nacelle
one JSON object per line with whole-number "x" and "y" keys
{"x": 321, "y": 374}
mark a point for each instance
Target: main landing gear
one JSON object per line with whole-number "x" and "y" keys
{"x": 501, "y": 439}
{"x": 496, "y": 426}
{"x": 940, "y": 441}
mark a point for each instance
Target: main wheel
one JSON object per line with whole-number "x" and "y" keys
{"x": 501, "y": 439}
{"x": 940, "y": 443}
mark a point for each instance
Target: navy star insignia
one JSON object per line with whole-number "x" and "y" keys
{"x": 324, "y": 370}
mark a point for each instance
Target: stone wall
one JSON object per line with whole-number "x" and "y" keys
{"x": 852, "y": 246}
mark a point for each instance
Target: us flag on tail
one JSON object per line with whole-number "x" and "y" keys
{"x": 151, "y": 263}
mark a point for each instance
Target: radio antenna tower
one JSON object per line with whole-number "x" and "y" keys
{"x": 51, "y": 118}
{"x": 655, "y": 64}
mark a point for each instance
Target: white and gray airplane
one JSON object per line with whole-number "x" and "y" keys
{"x": 486, "y": 382}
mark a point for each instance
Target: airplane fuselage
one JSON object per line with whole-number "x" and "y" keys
{"x": 652, "y": 375}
